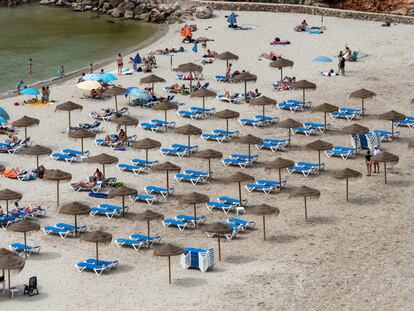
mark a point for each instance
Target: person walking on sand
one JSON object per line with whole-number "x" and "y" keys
{"x": 368, "y": 162}
{"x": 30, "y": 66}
{"x": 341, "y": 64}
{"x": 228, "y": 72}
{"x": 120, "y": 63}
{"x": 377, "y": 151}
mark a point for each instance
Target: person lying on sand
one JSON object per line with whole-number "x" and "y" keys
{"x": 211, "y": 54}
{"x": 272, "y": 55}
{"x": 330, "y": 73}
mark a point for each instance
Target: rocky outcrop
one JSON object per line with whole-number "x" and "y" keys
{"x": 204, "y": 12}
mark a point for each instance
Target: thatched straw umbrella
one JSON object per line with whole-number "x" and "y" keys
{"x": 279, "y": 164}
{"x": 126, "y": 121}
{"x": 76, "y": 209}
{"x": 148, "y": 216}
{"x": 189, "y": 130}
{"x": 347, "y": 174}
{"x": 104, "y": 159}
{"x": 362, "y": 94}
{"x": 25, "y": 122}
{"x": 203, "y": 93}
{"x": 167, "y": 167}
{"x": 165, "y": 106}
{"x": 97, "y": 237}
{"x": 263, "y": 210}
{"x": 190, "y": 68}
{"x": 249, "y": 140}
{"x": 319, "y": 145}
{"x": 194, "y": 198}
{"x": 82, "y": 134}
{"x": 227, "y": 56}
{"x": 385, "y": 157}
{"x": 289, "y": 124}
{"x": 239, "y": 177}
{"x": 146, "y": 144}
{"x": 37, "y": 151}
{"x": 122, "y": 192}
{"x": 24, "y": 226}
{"x": 303, "y": 85}
{"x": 355, "y": 129}
{"x": 392, "y": 116}
{"x": 9, "y": 195}
{"x": 58, "y": 176}
{"x": 152, "y": 79}
{"x": 115, "y": 91}
{"x": 68, "y": 106}
{"x": 245, "y": 77}
{"x": 305, "y": 192}
{"x": 10, "y": 261}
{"x": 325, "y": 108}
{"x": 168, "y": 250}
{"x": 227, "y": 114}
{"x": 208, "y": 154}
{"x": 219, "y": 229}
{"x": 262, "y": 101}
{"x": 280, "y": 64}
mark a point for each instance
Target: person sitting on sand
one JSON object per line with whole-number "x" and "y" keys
{"x": 228, "y": 71}
{"x": 211, "y": 54}
{"x": 387, "y": 23}
{"x": 302, "y": 26}
{"x": 95, "y": 93}
{"x": 272, "y": 55}
{"x": 175, "y": 88}
{"x": 98, "y": 175}
{"x": 40, "y": 171}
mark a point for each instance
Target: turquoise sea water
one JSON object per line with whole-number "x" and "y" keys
{"x": 55, "y": 36}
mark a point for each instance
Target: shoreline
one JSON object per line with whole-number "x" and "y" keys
{"x": 162, "y": 30}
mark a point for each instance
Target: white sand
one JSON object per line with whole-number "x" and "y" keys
{"x": 355, "y": 256}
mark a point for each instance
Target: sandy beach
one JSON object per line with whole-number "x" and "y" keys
{"x": 347, "y": 256}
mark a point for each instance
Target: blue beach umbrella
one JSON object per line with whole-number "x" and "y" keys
{"x": 102, "y": 77}
{"x": 231, "y": 19}
{"x": 2, "y": 120}
{"x": 140, "y": 94}
{"x": 29, "y": 91}
{"x": 195, "y": 47}
{"x": 322, "y": 59}
{"x": 4, "y": 114}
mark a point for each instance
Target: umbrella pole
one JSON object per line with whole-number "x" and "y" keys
{"x": 240, "y": 196}
{"x": 347, "y": 196}
{"x": 165, "y": 119}
{"x": 362, "y": 109}
{"x": 324, "y": 120}
{"x": 209, "y": 167}
{"x": 264, "y": 228}
{"x": 245, "y": 91}
{"x": 303, "y": 96}
{"x": 76, "y": 225}
{"x": 306, "y": 210}
{"x": 123, "y": 206}
{"x": 25, "y": 132}
{"x": 116, "y": 104}
{"x": 146, "y": 157}
{"x": 103, "y": 169}
{"x": 249, "y": 150}
{"x": 188, "y": 140}
{"x": 168, "y": 184}
{"x": 148, "y": 231}
{"x": 392, "y": 129}
{"x": 57, "y": 193}
{"x": 263, "y": 110}
{"x": 126, "y": 134}
{"x": 169, "y": 269}
{"x": 69, "y": 120}
{"x": 7, "y": 207}
{"x": 37, "y": 161}
{"x": 280, "y": 179}
{"x": 25, "y": 244}
{"x": 97, "y": 257}
{"x": 219, "y": 248}
{"x": 204, "y": 103}
{"x": 319, "y": 160}
{"x": 195, "y": 215}
{"x": 227, "y": 125}
{"x": 289, "y": 136}
{"x": 8, "y": 281}
{"x": 385, "y": 172}
{"x": 82, "y": 145}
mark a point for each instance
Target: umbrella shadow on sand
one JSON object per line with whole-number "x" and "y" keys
{"x": 239, "y": 259}
{"x": 283, "y": 238}
{"x": 322, "y": 220}
{"x": 189, "y": 282}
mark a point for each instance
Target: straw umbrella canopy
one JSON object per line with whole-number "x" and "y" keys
{"x": 362, "y": 94}
{"x": 165, "y": 106}
{"x": 279, "y": 164}
{"x": 325, "y": 108}
{"x": 305, "y": 192}
{"x": 58, "y": 176}
{"x": 239, "y": 177}
{"x": 148, "y": 216}
{"x": 167, "y": 167}
{"x": 194, "y": 198}
{"x": 9, "y": 195}
{"x": 249, "y": 140}
{"x": 289, "y": 124}
{"x": 37, "y": 150}
{"x": 190, "y": 68}
{"x": 81, "y": 134}
{"x": 25, "y": 122}
{"x": 347, "y": 174}
{"x": 319, "y": 145}
{"x": 152, "y": 79}
{"x": 262, "y": 101}
{"x": 104, "y": 159}
{"x": 189, "y": 130}
{"x": 355, "y": 129}
{"x": 146, "y": 144}
{"x": 392, "y": 116}
{"x": 122, "y": 192}
{"x": 227, "y": 56}
{"x": 219, "y": 229}
{"x": 263, "y": 210}
{"x": 280, "y": 64}
{"x": 245, "y": 77}
{"x": 227, "y": 114}
{"x": 168, "y": 250}
{"x": 303, "y": 85}
{"x": 10, "y": 261}
{"x": 203, "y": 93}
{"x": 126, "y": 121}
{"x": 97, "y": 237}
{"x": 24, "y": 226}
{"x": 385, "y": 157}
{"x": 76, "y": 209}
{"x": 68, "y": 106}
{"x": 208, "y": 154}
{"x": 115, "y": 91}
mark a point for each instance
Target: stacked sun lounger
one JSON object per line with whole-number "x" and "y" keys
{"x": 63, "y": 230}
{"x": 197, "y": 258}
{"x": 193, "y": 176}
{"x": 136, "y": 241}
{"x": 305, "y": 168}
{"x": 241, "y": 160}
{"x": 24, "y": 249}
{"x": 386, "y": 135}
{"x": 98, "y": 267}
{"x": 70, "y": 155}
{"x": 407, "y": 122}
{"x": 341, "y": 151}
{"x": 266, "y": 186}
{"x": 227, "y": 204}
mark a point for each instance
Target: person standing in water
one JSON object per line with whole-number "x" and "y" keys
{"x": 120, "y": 63}
{"x": 30, "y": 66}
{"x": 91, "y": 68}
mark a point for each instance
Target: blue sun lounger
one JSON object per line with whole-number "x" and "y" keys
{"x": 234, "y": 202}
{"x": 193, "y": 115}
{"x": 385, "y": 135}
{"x": 266, "y": 119}
{"x": 163, "y": 123}
{"x": 212, "y": 137}
{"x": 130, "y": 168}
{"x": 343, "y": 152}
{"x": 240, "y": 156}
{"x": 276, "y": 184}
{"x": 193, "y": 179}
{"x": 237, "y": 162}
{"x": 148, "y": 164}
{"x": 206, "y": 111}
{"x": 190, "y": 149}
{"x": 186, "y": 218}
{"x": 151, "y": 127}
{"x": 175, "y": 152}
{"x": 63, "y": 233}
{"x": 21, "y": 248}
{"x": 272, "y": 144}
{"x": 302, "y": 130}
{"x": 305, "y": 171}
{"x": 71, "y": 227}
{"x": 110, "y": 264}
{"x": 242, "y": 223}
{"x": 148, "y": 198}
{"x": 159, "y": 190}
{"x": 266, "y": 189}
{"x": 98, "y": 269}
{"x": 99, "y": 194}
{"x": 155, "y": 239}
{"x": 198, "y": 173}
{"x": 316, "y": 126}
{"x": 181, "y": 225}
{"x": 135, "y": 244}
{"x": 108, "y": 210}
{"x": 229, "y": 236}
{"x": 229, "y": 134}
{"x": 252, "y": 122}
{"x": 289, "y": 106}
{"x": 57, "y": 156}
{"x": 343, "y": 115}
{"x": 217, "y": 205}
{"x": 314, "y": 166}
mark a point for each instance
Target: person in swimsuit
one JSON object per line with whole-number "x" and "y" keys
{"x": 120, "y": 63}
{"x": 368, "y": 162}
{"x": 91, "y": 68}
{"x": 377, "y": 151}
{"x": 30, "y": 66}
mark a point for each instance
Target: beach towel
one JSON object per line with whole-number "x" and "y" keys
{"x": 280, "y": 42}
{"x": 322, "y": 59}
